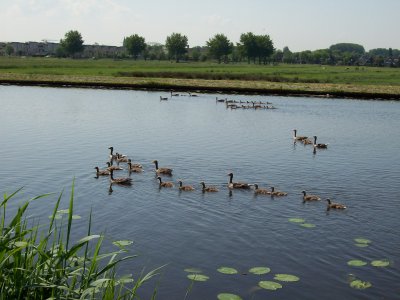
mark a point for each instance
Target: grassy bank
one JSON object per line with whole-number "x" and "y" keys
{"x": 39, "y": 262}
{"x": 361, "y": 82}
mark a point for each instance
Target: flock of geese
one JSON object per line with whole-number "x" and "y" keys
{"x": 163, "y": 171}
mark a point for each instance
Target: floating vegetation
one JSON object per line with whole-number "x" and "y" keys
{"x": 123, "y": 243}
{"x": 259, "y": 270}
{"x": 356, "y": 263}
{"x": 76, "y": 217}
{"x": 63, "y": 211}
{"x": 270, "y": 285}
{"x": 380, "y": 263}
{"x": 296, "y": 220}
{"x": 308, "y": 225}
{"x": 360, "y": 285}
{"x": 227, "y": 270}
{"x": 286, "y": 277}
{"x": 227, "y": 296}
{"x": 198, "y": 277}
{"x": 362, "y": 241}
{"x": 55, "y": 217}
{"x": 192, "y": 270}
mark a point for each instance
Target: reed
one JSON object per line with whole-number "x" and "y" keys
{"x": 44, "y": 263}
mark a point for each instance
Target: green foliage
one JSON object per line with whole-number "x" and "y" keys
{"x": 176, "y": 45}
{"x": 135, "y": 45}
{"x": 36, "y": 263}
{"x": 72, "y": 43}
{"x": 9, "y": 49}
{"x": 219, "y": 47}
{"x": 347, "y": 47}
{"x": 256, "y": 46}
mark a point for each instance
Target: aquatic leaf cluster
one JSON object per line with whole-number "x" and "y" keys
{"x": 195, "y": 275}
{"x": 302, "y": 222}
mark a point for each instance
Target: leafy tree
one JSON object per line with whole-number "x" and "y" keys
{"x": 219, "y": 47}
{"x": 248, "y": 46}
{"x": 176, "y": 45}
{"x": 135, "y": 45}
{"x": 264, "y": 48}
{"x": 9, "y": 49}
{"x": 348, "y": 47}
{"x": 72, "y": 43}
{"x": 196, "y": 53}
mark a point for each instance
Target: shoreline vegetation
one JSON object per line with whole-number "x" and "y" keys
{"x": 283, "y": 79}
{"x": 39, "y": 262}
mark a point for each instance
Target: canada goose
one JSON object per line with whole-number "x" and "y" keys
{"x": 120, "y": 180}
{"x": 174, "y": 95}
{"x": 121, "y": 158}
{"x": 186, "y": 188}
{"x": 163, "y": 98}
{"x": 310, "y": 197}
{"x": 114, "y": 168}
{"x": 114, "y": 156}
{"x": 277, "y": 193}
{"x": 134, "y": 165}
{"x": 259, "y": 191}
{"x": 101, "y": 172}
{"x": 208, "y": 188}
{"x": 237, "y": 185}
{"x": 167, "y": 184}
{"x": 319, "y": 145}
{"x": 334, "y": 205}
{"x": 219, "y": 100}
{"x": 192, "y": 95}
{"x": 298, "y": 138}
{"x": 133, "y": 169}
{"x": 307, "y": 141}
{"x": 165, "y": 171}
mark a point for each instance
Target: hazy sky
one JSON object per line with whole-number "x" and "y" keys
{"x": 298, "y": 24}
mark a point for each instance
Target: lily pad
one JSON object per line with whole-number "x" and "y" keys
{"x": 296, "y": 220}
{"x": 356, "y": 263}
{"x": 362, "y": 241}
{"x": 227, "y": 270}
{"x": 63, "y": 211}
{"x": 362, "y": 245}
{"x": 270, "y": 285}
{"x": 308, "y": 225}
{"x": 122, "y": 243}
{"x": 56, "y": 217}
{"x": 286, "y": 277}
{"x": 380, "y": 263}
{"x": 227, "y": 296}
{"x": 192, "y": 270}
{"x": 260, "y": 270}
{"x": 360, "y": 285}
{"x": 76, "y": 217}
{"x": 198, "y": 277}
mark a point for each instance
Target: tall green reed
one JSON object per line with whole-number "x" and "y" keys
{"x": 36, "y": 263}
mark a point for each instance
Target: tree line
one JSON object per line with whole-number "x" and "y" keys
{"x": 251, "y": 48}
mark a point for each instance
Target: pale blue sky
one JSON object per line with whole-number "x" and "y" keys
{"x": 298, "y": 24}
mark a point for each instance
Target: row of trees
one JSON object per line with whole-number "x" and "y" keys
{"x": 251, "y": 48}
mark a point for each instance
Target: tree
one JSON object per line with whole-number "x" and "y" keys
{"x": 248, "y": 45}
{"x": 176, "y": 45}
{"x": 72, "y": 43}
{"x": 135, "y": 45}
{"x": 9, "y": 49}
{"x": 219, "y": 47}
{"x": 348, "y": 47}
{"x": 264, "y": 48}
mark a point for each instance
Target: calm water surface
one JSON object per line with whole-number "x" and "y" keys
{"x": 50, "y": 136}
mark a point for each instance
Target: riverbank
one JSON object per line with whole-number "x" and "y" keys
{"x": 286, "y": 80}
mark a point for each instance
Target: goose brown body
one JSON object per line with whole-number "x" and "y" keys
{"x": 323, "y": 146}
{"x": 134, "y": 165}
{"x": 165, "y": 171}
{"x": 236, "y": 185}
{"x": 208, "y": 188}
{"x": 277, "y": 193}
{"x": 298, "y": 138}
{"x": 258, "y": 191}
{"x": 334, "y": 205}
{"x": 101, "y": 172}
{"x": 114, "y": 168}
{"x": 186, "y": 188}
{"x": 310, "y": 197}
{"x": 120, "y": 180}
{"x": 167, "y": 184}
{"x": 133, "y": 169}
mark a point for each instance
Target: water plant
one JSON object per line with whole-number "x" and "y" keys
{"x": 38, "y": 262}
{"x": 227, "y": 270}
{"x": 270, "y": 285}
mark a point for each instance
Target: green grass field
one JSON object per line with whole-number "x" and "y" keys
{"x": 306, "y": 78}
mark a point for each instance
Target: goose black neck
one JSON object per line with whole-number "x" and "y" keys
{"x": 156, "y": 163}
{"x": 230, "y": 178}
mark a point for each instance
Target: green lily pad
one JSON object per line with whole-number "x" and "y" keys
{"x": 63, "y": 211}
{"x": 227, "y": 270}
{"x": 56, "y": 217}
{"x": 308, "y": 225}
{"x": 260, "y": 270}
{"x": 361, "y": 245}
{"x": 360, "y": 285}
{"x": 286, "y": 277}
{"x": 380, "y": 263}
{"x": 270, "y": 285}
{"x": 356, "y": 263}
{"x": 198, "y": 277}
{"x": 122, "y": 243}
{"x": 362, "y": 241}
{"x": 227, "y": 296}
{"x": 296, "y": 220}
{"x": 192, "y": 270}
{"x": 76, "y": 217}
